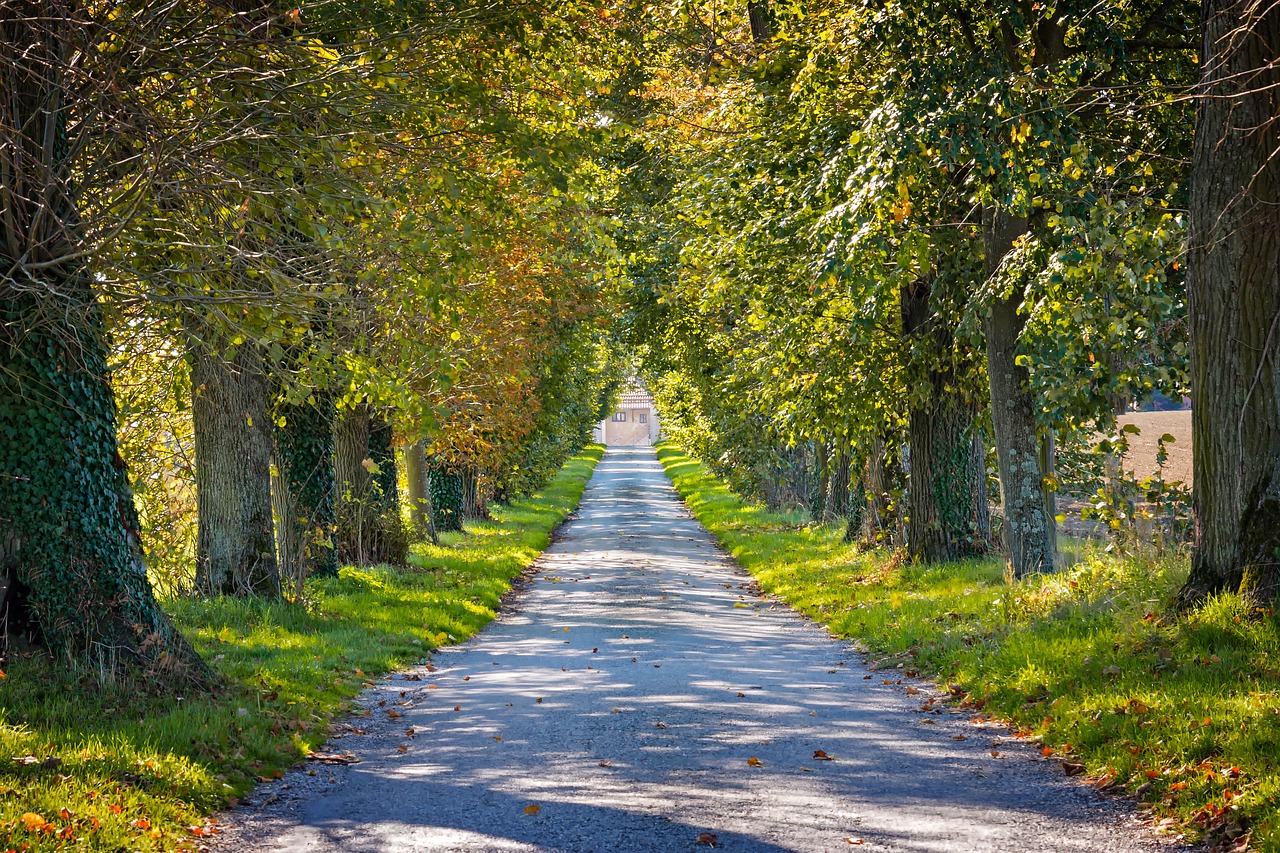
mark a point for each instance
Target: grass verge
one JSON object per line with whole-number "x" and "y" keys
{"x": 88, "y": 763}
{"x": 1182, "y": 712}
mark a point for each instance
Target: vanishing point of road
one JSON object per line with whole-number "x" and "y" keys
{"x": 640, "y": 695}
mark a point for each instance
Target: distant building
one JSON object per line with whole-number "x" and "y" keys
{"x": 634, "y": 422}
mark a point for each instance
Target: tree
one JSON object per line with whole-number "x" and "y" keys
{"x": 1233, "y": 279}
{"x": 68, "y": 529}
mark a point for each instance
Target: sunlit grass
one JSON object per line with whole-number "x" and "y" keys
{"x": 1183, "y": 712}
{"x": 137, "y": 771}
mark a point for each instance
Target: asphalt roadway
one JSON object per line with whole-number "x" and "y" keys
{"x": 639, "y": 694}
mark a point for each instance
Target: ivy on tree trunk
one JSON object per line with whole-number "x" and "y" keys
{"x": 71, "y": 565}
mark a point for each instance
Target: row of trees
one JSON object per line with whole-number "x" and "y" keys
{"x": 258, "y": 248}
{"x": 936, "y": 239}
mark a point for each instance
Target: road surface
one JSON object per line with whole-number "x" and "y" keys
{"x": 640, "y": 695}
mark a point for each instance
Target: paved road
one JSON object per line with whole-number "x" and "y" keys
{"x": 625, "y": 695}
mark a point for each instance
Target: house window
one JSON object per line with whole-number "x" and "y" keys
{"x": 619, "y": 417}
{"x": 644, "y": 417}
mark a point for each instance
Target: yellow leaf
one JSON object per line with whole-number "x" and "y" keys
{"x": 755, "y": 762}
{"x": 33, "y": 822}
{"x": 532, "y": 808}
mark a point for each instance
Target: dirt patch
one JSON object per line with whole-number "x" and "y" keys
{"x": 1144, "y": 446}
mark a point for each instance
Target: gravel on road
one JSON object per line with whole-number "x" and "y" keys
{"x": 640, "y": 694}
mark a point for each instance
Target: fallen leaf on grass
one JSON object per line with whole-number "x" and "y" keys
{"x": 708, "y": 839}
{"x": 821, "y": 755}
{"x": 33, "y": 822}
{"x": 534, "y": 808}
{"x": 755, "y": 762}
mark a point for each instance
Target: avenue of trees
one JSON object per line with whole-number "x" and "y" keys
{"x": 898, "y": 255}
{"x": 253, "y": 253}
{"x": 287, "y": 287}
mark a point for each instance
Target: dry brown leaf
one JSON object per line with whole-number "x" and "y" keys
{"x": 755, "y": 762}
{"x": 534, "y": 808}
{"x": 707, "y": 839}
{"x": 402, "y": 748}
{"x": 821, "y": 755}
{"x": 605, "y": 763}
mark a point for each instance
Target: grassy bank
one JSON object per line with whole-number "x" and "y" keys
{"x": 1184, "y": 713}
{"x": 88, "y": 763}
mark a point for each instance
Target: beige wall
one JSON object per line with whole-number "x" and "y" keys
{"x": 631, "y": 431}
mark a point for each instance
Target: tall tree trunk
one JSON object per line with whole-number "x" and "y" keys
{"x": 303, "y": 490}
{"x": 940, "y": 433}
{"x": 415, "y": 475}
{"x": 1233, "y": 285}
{"x": 235, "y": 541}
{"x": 352, "y": 482}
{"x": 1026, "y": 528}
{"x": 71, "y": 565}
{"x": 445, "y": 487}
{"x": 877, "y": 479}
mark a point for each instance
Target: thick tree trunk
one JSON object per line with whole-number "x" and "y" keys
{"x": 235, "y": 540}
{"x": 940, "y": 433}
{"x": 446, "y": 498}
{"x": 71, "y": 566}
{"x": 415, "y": 475}
{"x": 981, "y": 504}
{"x": 1026, "y": 528}
{"x": 302, "y": 491}
{"x": 352, "y": 483}
{"x": 1233, "y": 285}
{"x": 877, "y": 479}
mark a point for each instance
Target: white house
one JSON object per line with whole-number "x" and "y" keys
{"x": 634, "y": 422}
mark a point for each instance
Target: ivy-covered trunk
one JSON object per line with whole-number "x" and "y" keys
{"x": 940, "y": 433}
{"x": 302, "y": 490}
{"x": 370, "y": 529}
{"x": 446, "y": 497}
{"x": 1233, "y": 284}
{"x": 235, "y": 540}
{"x": 71, "y": 566}
{"x": 1027, "y": 536}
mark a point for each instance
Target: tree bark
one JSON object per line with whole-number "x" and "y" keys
{"x": 940, "y": 433}
{"x": 1233, "y": 288}
{"x": 415, "y": 474}
{"x": 71, "y": 564}
{"x": 761, "y": 26}
{"x": 1026, "y": 528}
{"x": 235, "y": 540}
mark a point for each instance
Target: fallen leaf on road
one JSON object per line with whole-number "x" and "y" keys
{"x": 539, "y": 699}
{"x": 821, "y": 755}
{"x": 1071, "y": 768}
{"x": 498, "y": 738}
{"x": 708, "y": 839}
{"x": 457, "y": 707}
{"x": 534, "y": 808}
{"x": 402, "y": 748}
{"x": 334, "y": 757}
{"x": 742, "y": 696}
{"x": 853, "y": 841}
{"x": 959, "y": 737}
{"x": 755, "y": 762}
{"x": 605, "y": 763}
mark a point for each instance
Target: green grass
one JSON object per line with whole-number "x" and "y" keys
{"x": 1182, "y": 712}
{"x": 131, "y": 770}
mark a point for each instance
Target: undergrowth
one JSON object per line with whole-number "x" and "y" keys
{"x": 1182, "y": 712}
{"x": 89, "y": 762}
